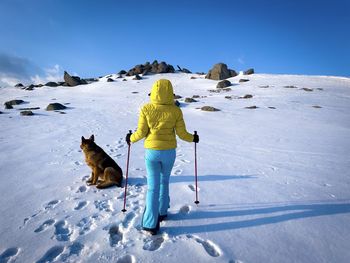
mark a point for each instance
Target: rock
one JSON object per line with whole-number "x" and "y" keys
{"x": 177, "y": 97}
{"x": 190, "y": 100}
{"x": 228, "y": 97}
{"x": 125, "y": 80}
{"x": 27, "y": 113}
{"x": 273, "y": 108}
{"x": 51, "y": 84}
{"x": 1, "y": 112}
{"x": 223, "y": 84}
{"x": 317, "y": 107}
{"x": 122, "y": 72}
{"x": 220, "y": 71}
{"x": 209, "y": 108}
{"x": 220, "y": 90}
{"x": 264, "y": 87}
{"x": 248, "y": 71}
{"x": 252, "y": 107}
{"x": 73, "y": 80}
{"x": 184, "y": 70}
{"x": 137, "y": 77}
{"x": 196, "y": 96}
{"x": 40, "y": 85}
{"x": 55, "y": 106}
{"x": 9, "y": 104}
{"x": 193, "y": 77}
{"x": 307, "y": 89}
{"x": 30, "y": 87}
{"x": 290, "y": 87}
{"x": 110, "y": 80}
{"x": 26, "y": 109}
{"x": 119, "y": 77}
{"x": 19, "y": 85}
{"x": 243, "y": 80}
{"x": 247, "y": 96}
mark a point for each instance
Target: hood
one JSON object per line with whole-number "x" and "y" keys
{"x": 162, "y": 92}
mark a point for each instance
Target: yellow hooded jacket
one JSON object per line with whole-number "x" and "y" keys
{"x": 160, "y": 119}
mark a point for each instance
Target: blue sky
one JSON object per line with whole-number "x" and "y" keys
{"x": 93, "y": 38}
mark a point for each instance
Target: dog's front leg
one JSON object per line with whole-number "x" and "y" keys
{"x": 91, "y": 179}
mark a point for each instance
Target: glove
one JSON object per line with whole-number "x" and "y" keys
{"x": 127, "y": 138}
{"x": 195, "y": 138}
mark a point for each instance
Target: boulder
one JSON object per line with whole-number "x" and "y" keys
{"x": 9, "y": 104}
{"x": 73, "y": 80}
{"x": 247, "y": 96}
{"x": 248, "y": 71}
{"x": 223, "y": 84}
{"x": 252, "y": 107}
{"x": 55, "y": 106}
{"x": 243, "y": 80}
{"x": 27, "y": 113}
{"x": 209, "y": 108}
{"x": 110, "y": 80}
{"x": 190, "y": 100}
{"x": 51, "y": 84}
{"x": 19, "y": 85}
{"x": 184, "y": 70}
{"x": 220, "y": 71}
{"x": 122, "y": 72}
{"x": 30, "y": 87}
{"x": 137, "y": 77}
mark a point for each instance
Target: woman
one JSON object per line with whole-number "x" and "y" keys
{"x": 159, "y": 121}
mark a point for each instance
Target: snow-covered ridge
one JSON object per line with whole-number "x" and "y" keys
{"x": 273, "y": 179}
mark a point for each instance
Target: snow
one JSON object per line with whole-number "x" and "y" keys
{"x": 273, "y": 182}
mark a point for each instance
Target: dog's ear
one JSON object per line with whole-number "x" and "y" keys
{"x": 83, "y": 139}
{"x": 92, "y": 138}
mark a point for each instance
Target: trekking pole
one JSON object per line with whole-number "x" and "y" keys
{"x": 126, "y": 176}
{"x": 195, "y": 169}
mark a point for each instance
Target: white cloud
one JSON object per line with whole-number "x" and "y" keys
{"x": 51, "y": 74}
{"x": 6, "y": 80}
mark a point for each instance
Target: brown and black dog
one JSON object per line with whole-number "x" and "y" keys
{"x": 105, "y": 171}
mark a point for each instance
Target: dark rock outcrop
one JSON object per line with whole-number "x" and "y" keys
{"x": 147, "y": 68}
{"x": 19, "y": 85}
{"x": 243, "y": 80}
{"x": 209, "y": 108}
{"x": 9, "y": 104}
{"x": 51, "y": 84}
{"x": 248, "y": 71}
{"x": 220, "y": 71}
{"x": 184, "y": 70}
{"x": 73, "y": 80}
{"x": 27, "y": 113}
{"x": 110, "y": 80}
{"x": 137, "y": 77}
{"x": 190, "y": 100}
{"x": 55, "y": 106}
{"x": 223, "y": 84}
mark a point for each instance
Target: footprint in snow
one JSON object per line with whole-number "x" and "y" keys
{"x": 128, "y": 219}
{"x": 51, "y": 255}
{"x": 44, "y": 225}
{"x": 103, "y": 205}
{"x": 9, "y": 254}
{"x": 115, "y": 236}
{"x": 211, "y": 248}
{"x": 52, "y": 204}
{"x": 75, "y": 249}
{"x": 62, "y": 231}
{"x": 126, "y": 259}
{"x": 153, "y": 243}
{"x": 81, "y": 205}
{"x": 82, "y": 189}
{"x": 86, "y": 224}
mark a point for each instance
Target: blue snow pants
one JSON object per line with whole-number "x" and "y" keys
{"x": 159, "y": 164}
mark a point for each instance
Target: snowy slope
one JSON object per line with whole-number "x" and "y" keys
{"x": 273, "y": 182}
